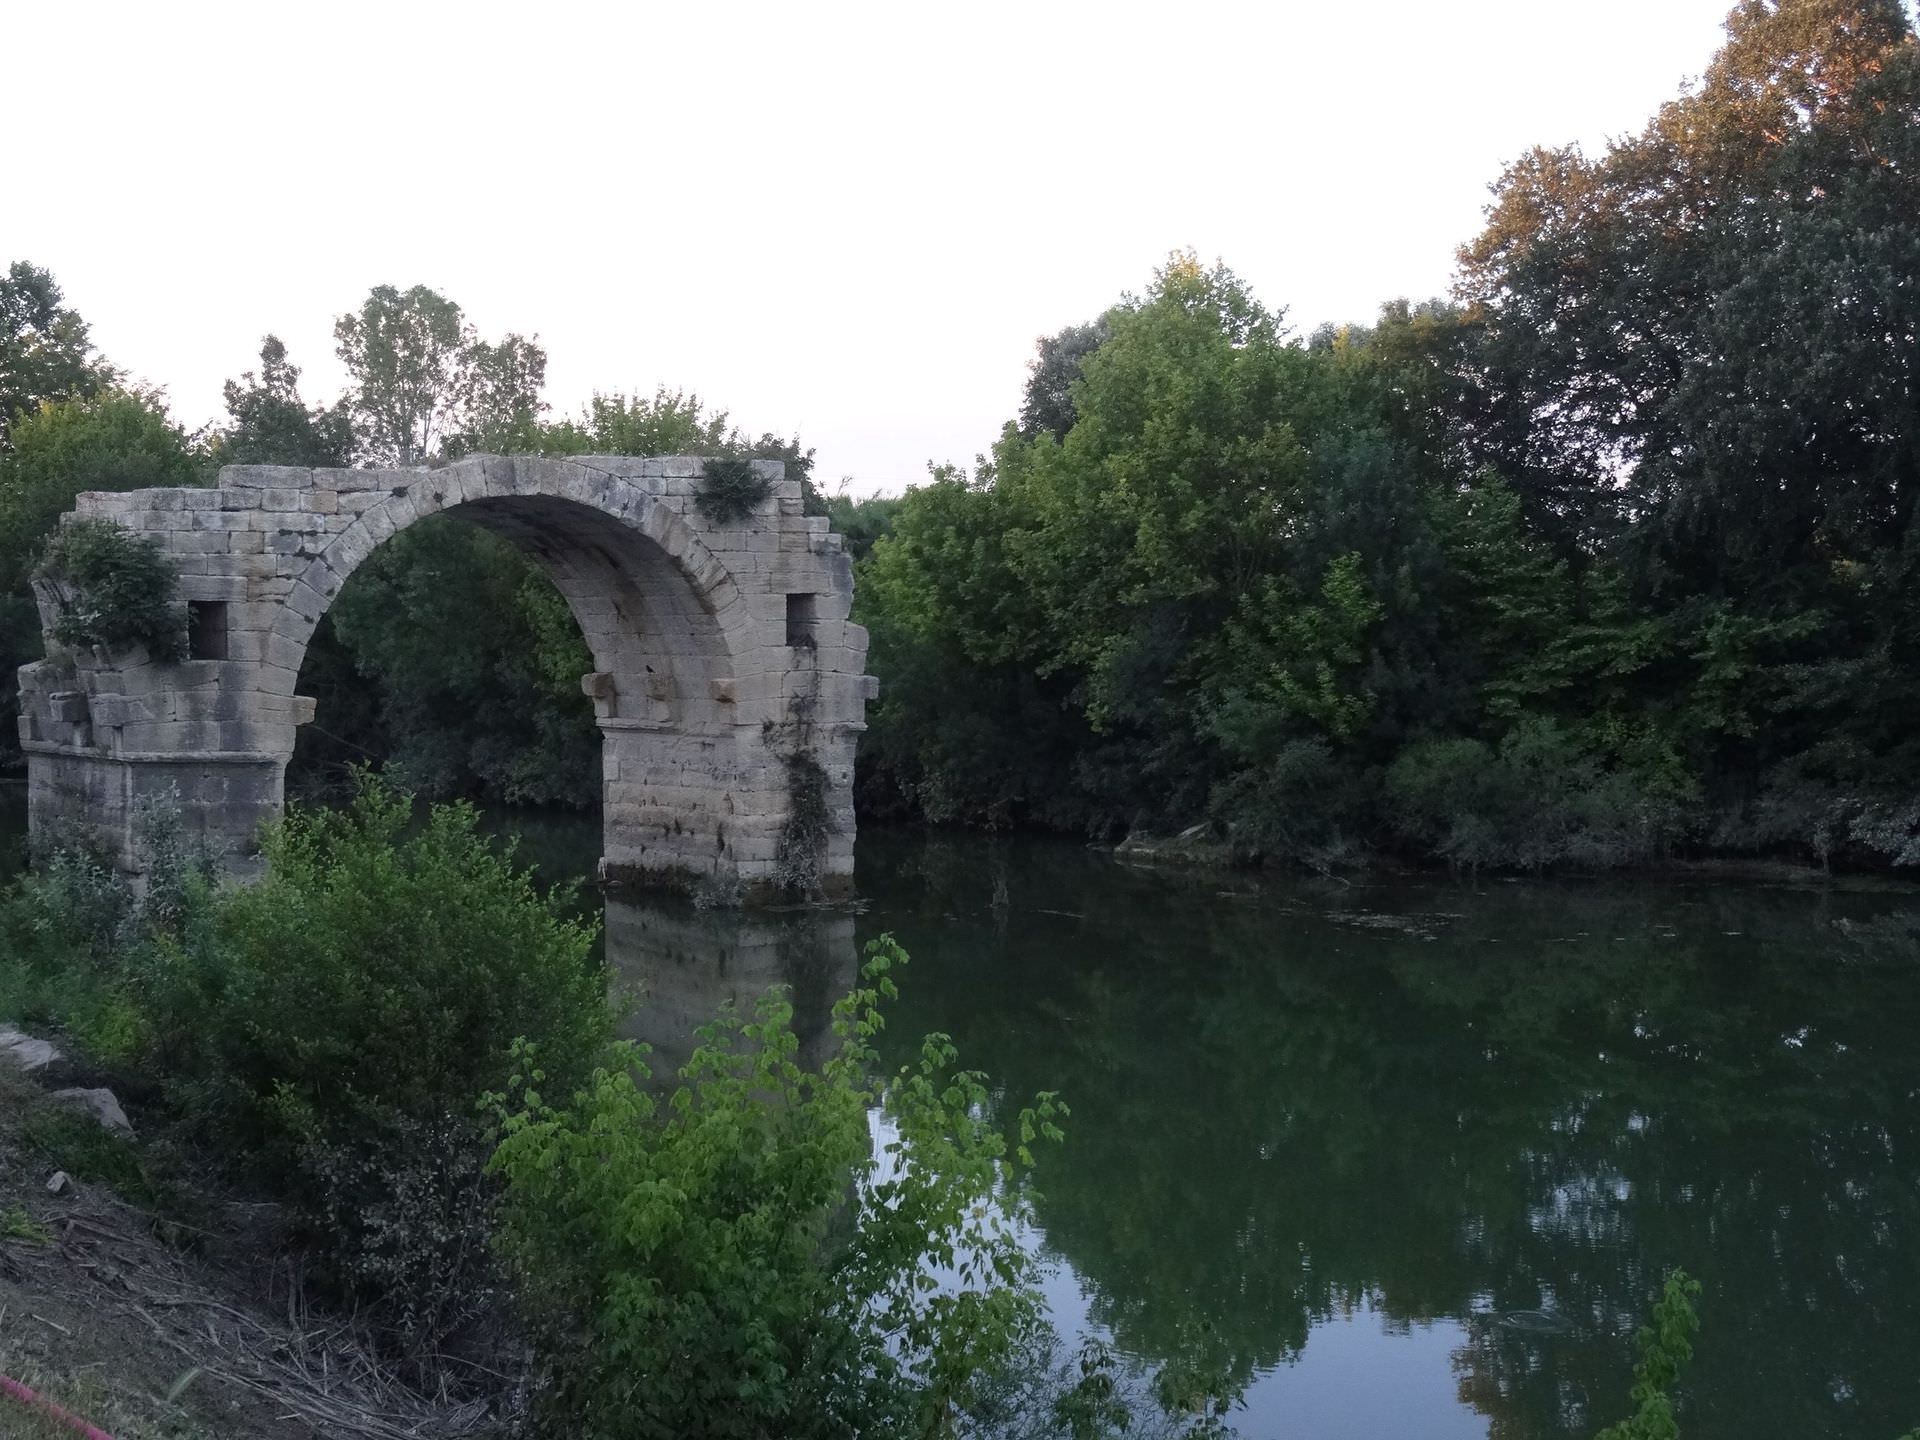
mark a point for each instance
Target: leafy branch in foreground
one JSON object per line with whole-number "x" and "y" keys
{"x": 1665, "y": 1347}
{"x": 735, "y": 1259}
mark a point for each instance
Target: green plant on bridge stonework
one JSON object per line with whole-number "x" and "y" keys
{"x": 729, "y": 490}
{"x": 120, "y": 588}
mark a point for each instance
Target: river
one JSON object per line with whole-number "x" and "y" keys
{"x": 1410, "y": 1158}
{"x": 1406, "y": 1157}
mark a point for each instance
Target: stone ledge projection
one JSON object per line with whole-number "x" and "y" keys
{"x": 728, "y": 679}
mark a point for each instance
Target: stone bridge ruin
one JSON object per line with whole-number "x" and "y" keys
{"x": 728, "y": 680}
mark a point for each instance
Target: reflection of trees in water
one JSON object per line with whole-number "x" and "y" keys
{"x": 684, "y": 964}
{"x": 1527, "y": 1118}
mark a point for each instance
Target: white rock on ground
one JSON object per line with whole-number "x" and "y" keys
{"x": 102, "y": 1105}
{"x": 26, "y": 1054}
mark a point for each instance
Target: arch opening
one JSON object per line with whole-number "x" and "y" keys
{"x": 654, "y": 651}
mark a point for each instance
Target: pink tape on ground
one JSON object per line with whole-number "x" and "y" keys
{"x": 74, "y": 1423}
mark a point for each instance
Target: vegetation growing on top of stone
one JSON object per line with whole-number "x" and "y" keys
{"x": 730, "y": 489}
{"x": 120, "y": 589}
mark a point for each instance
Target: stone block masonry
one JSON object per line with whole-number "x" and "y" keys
{"x": 722, "y": 653}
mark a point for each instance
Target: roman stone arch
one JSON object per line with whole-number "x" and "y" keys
{"x": 727, "y": 682}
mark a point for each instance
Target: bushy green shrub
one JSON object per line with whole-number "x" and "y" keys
{"x": 1305, "y": 805}
{"x": 378, "y": 969}
{"x": 1542, "y": 798}
{"x": 730, "y": 490}
{"x": 1812, "y": 806}
{"x": 405, "y": 1213}
{"x": 735, "y": 1262}
{"x": 74, "y": 932}
{"x": 122, "y": 589}
{"x": 334, "y": 1025}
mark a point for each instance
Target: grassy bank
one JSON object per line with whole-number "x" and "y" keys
{"x": 392, "y": 1161}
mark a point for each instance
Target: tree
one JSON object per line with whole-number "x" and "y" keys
{"x": 1173, "y": 483}
{"x": 672, "y": 422}
{"x": 1696, "y": 357}
{"x": 269, "y": 423}
{"x": 423, "y": 381}
{"x": 1715, "y": 326}
{"x": 1048, "y": 406}
{"x": 45, "y": 352}
{"x": 501, "y": 406}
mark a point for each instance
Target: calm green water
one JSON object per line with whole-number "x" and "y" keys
{"x": 1410, "y": 1159}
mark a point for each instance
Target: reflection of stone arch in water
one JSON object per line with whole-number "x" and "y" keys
{"x": 685, "y": 964}
{"x": 723, "y": 654}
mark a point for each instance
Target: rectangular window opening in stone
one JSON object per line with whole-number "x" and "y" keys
{"x": 803, "y": 614}
{"x": 207, "y": 629}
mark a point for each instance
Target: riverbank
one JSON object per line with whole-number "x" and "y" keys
{"x": 1196, "y": 849}
{"x": 183, "y": 1320}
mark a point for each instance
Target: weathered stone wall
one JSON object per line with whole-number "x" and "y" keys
{"x": 722, "y": 652}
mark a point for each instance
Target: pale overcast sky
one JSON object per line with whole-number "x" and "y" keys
{"x": 848, "y": 220}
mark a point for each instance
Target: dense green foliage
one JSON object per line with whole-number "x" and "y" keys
{"x": 117, "y": 589}
{"x": 734, "y": 1263}
{"x": 423, "y": 383}
{"x": 269, "y": 424}
{"x": 1608, "y": 558}
{"x": 477, "y": 692}
{"x": 92, "y": 438}
{"x": 334, "y": 1024}
{"x": 394, "y": 1002}
{"x": 116, "y": 440}
{"x": 376, "y": 970}
{"x": 45, "y": 351}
